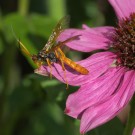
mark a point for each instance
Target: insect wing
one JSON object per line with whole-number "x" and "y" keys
{"x": 21, "y": 45}
{"x": 60, "y": 44}
{"x": 59, "y": 28}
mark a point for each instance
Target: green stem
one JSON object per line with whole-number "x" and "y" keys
{"x": 8, "y": 62}
{"x": 56, "y": 8}
{"x": 23, "y": 6}
{"x": 131, "y": 121}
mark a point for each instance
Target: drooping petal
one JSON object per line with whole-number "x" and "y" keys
{"x": 107, "y": 109}
{"x": 106, "y": 31}
{"x": 97, "y": 64}
{"x": 123, "y": 8}
{"x": 89, "y": 39}
{"x": 94, "y": 92}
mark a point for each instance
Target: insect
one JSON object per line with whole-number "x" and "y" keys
{"x": 52, "y": 53}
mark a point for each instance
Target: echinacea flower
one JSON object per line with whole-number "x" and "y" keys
{"x": 110, "y": 85}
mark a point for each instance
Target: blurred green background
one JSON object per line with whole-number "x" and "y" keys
{"x": 31, "y": 104}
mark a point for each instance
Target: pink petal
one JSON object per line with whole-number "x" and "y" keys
{"x": 89, "y": 39}
{"x": 97, "y": 64}
{"x": 94, "y": 92}
{"x": 107, "y": 31}
{"x": 107, "y": 109}
{"x": 123, "y": 8}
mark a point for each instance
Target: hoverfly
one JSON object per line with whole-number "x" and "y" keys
{"x": 52, "y": 53}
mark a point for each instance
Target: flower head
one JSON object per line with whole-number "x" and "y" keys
{"x": 111, "y": 82}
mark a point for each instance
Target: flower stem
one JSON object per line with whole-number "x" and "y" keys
{"x": 23, "y": 6}
{"x": 56, "y": 11}
{"x": 8, "y": 62}
{"x": 131, "y": 120}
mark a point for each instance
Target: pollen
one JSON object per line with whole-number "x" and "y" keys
{"x": 124, "y": 42}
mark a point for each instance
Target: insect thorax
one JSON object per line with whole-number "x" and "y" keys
{"x": 42, "y": 56}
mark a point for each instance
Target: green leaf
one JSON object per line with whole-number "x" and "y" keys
{"x": 42, "y": 25}
{"x": 113, "y": 127}
{"x": 1, "y": 46}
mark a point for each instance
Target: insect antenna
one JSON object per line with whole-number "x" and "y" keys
{"x": 21, "y": 45}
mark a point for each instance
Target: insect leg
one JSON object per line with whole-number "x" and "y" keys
{"x": 49, "y": 64}
{"x": 61, "y": 53}
{"x": 60, "y": 58}
{"x": 62, "y": 64}
{"x": 38, "y": 64}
